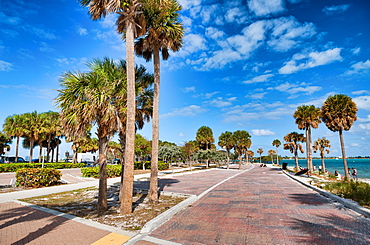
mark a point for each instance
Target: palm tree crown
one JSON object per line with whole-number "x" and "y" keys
{"x": 339, "y": 113}
{"x": 227, "y": 142}
{"x": 307, "y": 116}
{"x": 293, "y": 145}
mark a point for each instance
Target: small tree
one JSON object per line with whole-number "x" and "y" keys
{"x": 272, "y": 153}
{"x": 260, "y": 151}
{"x": 320, "y": 145}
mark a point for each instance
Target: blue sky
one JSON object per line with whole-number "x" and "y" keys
{"x": 244, "y": 65}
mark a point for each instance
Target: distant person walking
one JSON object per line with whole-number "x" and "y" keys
{"x": 354, "y": 173}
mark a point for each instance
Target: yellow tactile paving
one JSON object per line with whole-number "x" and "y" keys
{"x": 112, "y": 239}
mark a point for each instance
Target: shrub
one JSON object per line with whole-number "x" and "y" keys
{"x": 37, "y": 177}
{"x": 12, "y": 167}
{"x": 355, "y": 190}
{"x": 115, "y": 170}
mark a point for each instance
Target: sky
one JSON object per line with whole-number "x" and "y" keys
{"x": 244, "y": 65}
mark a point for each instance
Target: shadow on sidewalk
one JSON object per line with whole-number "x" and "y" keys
{"x": 22, "y": 214}
{"x": 332, "y": 229}
{"x": 309, "y": 199}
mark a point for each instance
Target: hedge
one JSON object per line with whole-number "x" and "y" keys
{"x": 12, "y": 167}
{"x": 37, "y": 177}
{"x": 115, "y": 170}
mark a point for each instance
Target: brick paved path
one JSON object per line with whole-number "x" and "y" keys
{"x": 23, "y": 225}
{"x": 263, "y": 206}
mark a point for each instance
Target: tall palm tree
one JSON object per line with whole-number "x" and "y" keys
{"x": 13, "y": 127}
{"x": 292, "y": 144}
{"x": 52, "y": 125}
{"x": 86, "y": 99}
{"x": 242, "y": 143}
{"x": 339, "y": 113}
{"x": 271, "y": 153}
{"x": 226, "y": 141}
{"x": 307, "y": 116}
{"x": 164, "y": 32}
{"x": 34, "y": 128}
{"x": 205, "y": 138}
{"x": 276, "y": 143}
{"x": 130, "y": 23}
{"x": 321, "y": 145}
{"x": 250, "y": 154}
{"x": 260, "y": 151}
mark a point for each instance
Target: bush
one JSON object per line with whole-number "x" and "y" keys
{"x": 12, "y": 167}
{"x": 37, "y": 177}
{"x": 355, "y": 190}
{"x": 115, "y": 170}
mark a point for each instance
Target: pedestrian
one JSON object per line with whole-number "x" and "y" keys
{"x": 320, "y": 169}
{"x": 354, "y": 173}
{"x": 337, "y": 174}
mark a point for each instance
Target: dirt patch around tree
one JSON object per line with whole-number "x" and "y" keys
{"x": 83, "y": 202}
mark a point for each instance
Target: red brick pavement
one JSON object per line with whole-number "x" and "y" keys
{"x": 263, "y": 206}
{"x": 23, "y": 225}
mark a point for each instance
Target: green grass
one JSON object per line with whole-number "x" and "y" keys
{"x": 355, "y": 190}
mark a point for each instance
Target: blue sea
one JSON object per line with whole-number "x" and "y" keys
{"x": 362, "y": 165}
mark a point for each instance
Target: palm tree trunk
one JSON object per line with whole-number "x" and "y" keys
{"x": 228, "y": 158}
{"x": 260, "y": 157}
{"x": 153, "y": 188}
{"x": 32, "y": 142}
{"x": 277, "y": 156}
{"x": 240, "y": 162}
{"x": 102, "y": 197}
{"x": 57, "y": 155}
{"x": 308, "y": 148}
{"x": 343, "y": 155}
{"x": 16, "y": 148}
{"x": 128, "y": 179}
{"x": 323, "y": 163}
{"x": 296, "y": 158}
{"x": 48, "y": 151}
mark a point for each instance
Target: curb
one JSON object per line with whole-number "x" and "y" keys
{"x": 347, "y": 203}
{"x": 78, "y": 219}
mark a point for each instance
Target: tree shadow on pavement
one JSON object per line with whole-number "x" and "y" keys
{"x": 309, "y": 199}
{"x": 19, "y": 215}
{"x": 332, "y": 229}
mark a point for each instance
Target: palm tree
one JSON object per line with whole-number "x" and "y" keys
{"x": 242, "y": 143}
{"x": 307, "y": 117}
{"x": 34, "y": 128}
{"x": 277, "y": 143}
{"x": 164, "y": 32}
{"x": 320, "y": 145}
{"x": 4, "y": 143}
{"x": 271, "y": 153}
{"x": 260, "y": 151}
{"x": 86, "y": 99}
{"x": 129, "y": 23}
{"x": 249, "y": 154}
{"x": 52, "y": 125}
{"x": 13, "y": 127}
{"x": 339, "y": 113}
{"x": 226, "y": 141}
{"x": 205, "y": 138}
{"x": 293, "y": 145}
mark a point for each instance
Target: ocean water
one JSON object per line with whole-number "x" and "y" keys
{"x": 362, "y": 165}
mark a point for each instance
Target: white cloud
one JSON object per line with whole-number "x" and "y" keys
{"x": 189, "y": 89}
{"x": 262, "y": 132}
{"x": 367, "y": 119}
{"x": 361, "y": 92}
{"x": 187, "y": 4}
{"x": 188, "y": 111}
{"x": 359, "y": 67}
{"x": 220, "y": 102}
{"x": 240, "y": 117}
{"x": 287, "y": 33}
{"x": 181, "y": 135}
{"x": 214, "y": 33}
{"x": 81, "y": 31}
{"x": 257, "y": 96}
{"x": 236, "y": 14}
{"x": 363, "y": 102}
{"x": 302, "y": 61}
{"x": 259, "y": 79}
{"x": 266, "y": 7}
{"x": 296, "y": 88}
{"x": 329, "y": 10}
{"x": 5, "y": 66}
{"x": 356, "y": 50}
